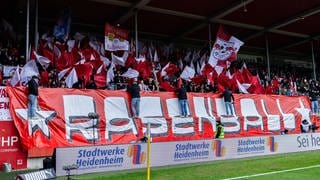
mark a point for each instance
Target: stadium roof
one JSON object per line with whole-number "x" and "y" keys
{"x": 290, "y": 25}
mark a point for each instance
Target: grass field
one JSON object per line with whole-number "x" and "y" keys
{"x": 292, "y": 166}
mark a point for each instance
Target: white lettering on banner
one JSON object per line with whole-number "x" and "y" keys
{"x": 119, "y": 121}
{"x": 288, "y": 118}
{"x": 250, "y": 114}
{"x": 151, "y": 112}
{"x": 4, "y": 105}
{"x": 232, "y": 124}
{"x": 76, "y": 110}
{"x": 201, "y": 111}
{"x": 273, "y": 120}
{"x": 116, "y": 111}
{"x": 8, "y": 141}
{"x": 180, "y": 126}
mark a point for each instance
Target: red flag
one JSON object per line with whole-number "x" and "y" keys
{"x": 84, "y": 71}
{"x": 198, "y": 79}
{"x": 165, "y": 85}
{"x": 246, "y": 75}
{"x": 172, "y": 69}
{"x": 101, "y": 79}
{"x": 131, "y": 62}
{"x": 145, "y": 69}
{"x": 256, "y": 87}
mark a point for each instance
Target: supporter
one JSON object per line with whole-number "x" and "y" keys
{"x": 305, "y": 126}
{"x": 314, "y": 94}
{"x": 183, "y": 100}
{"x": 219, "y": 134}
{"x": 228, "y": 100}
{"x": 134, "y": 91}
{"x": 152, "y": 85}
{"x": 314, "y": 127}
{"x": 143, "y": 87}
{"x": 91, "y": 84}
{"x": 32, "y": 97}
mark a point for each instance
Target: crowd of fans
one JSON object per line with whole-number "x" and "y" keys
{"x": 284, "y": 79}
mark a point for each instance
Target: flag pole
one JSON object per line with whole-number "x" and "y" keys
{"x": 313, "y": 61}
{"x": 36, "y": 26}
{"x": 136, "y": 32}
{"x": 209, "y": 29}
{"x": 267, "y": 55}
{"x": 27, "y": 30}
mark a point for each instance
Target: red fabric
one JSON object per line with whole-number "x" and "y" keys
{"x": 84, "y": 71}
{"x": 101, "y": 79}
{"x": 145, "y": 69}
{"x": 238, "y": 76}
{"x": 44, "y": 81}
{"x": 247, "y": 76}
{"x": 198, "y": 79}
{"x": 131, "y": 62}
{"x": 256, "y": 87}
{"x": 269, "y": 90}
{"x": 172, "y": 69}
{"x": 48, "y": 54}
{"x": 60, "y": 103}
{"x": 165, "y": 85}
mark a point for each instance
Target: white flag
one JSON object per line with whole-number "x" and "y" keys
{"x": 29, "y": 69}
{"x": 187, "y": 73}
{"x": 105, "y": 60}
{"x": 163, "y": 71}
{"x": 243, "y": 87}
{"x": 16, "y": 77}
{"x": 155, "y": 58}
{"x": 45, "y": 62}
{"x": 62, "y": 73}
{"x": 119, "y": 60}
{"x": 71, "y": 78}
{"x": 131, "y": 73}
{"x": 110, "y": 73}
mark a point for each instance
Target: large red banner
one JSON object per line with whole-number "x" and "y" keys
{"x": 62, "y": 117}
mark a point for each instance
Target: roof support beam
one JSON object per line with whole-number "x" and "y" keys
{"x": 212, "y": 18}
{"x": 131, "y": 11}
{"x": 316, "y": 37}
{"x": 290, "y": 20}
{"x": 198, "y": 17}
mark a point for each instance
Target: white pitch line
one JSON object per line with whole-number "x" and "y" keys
{"x": 273, "y": 172}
